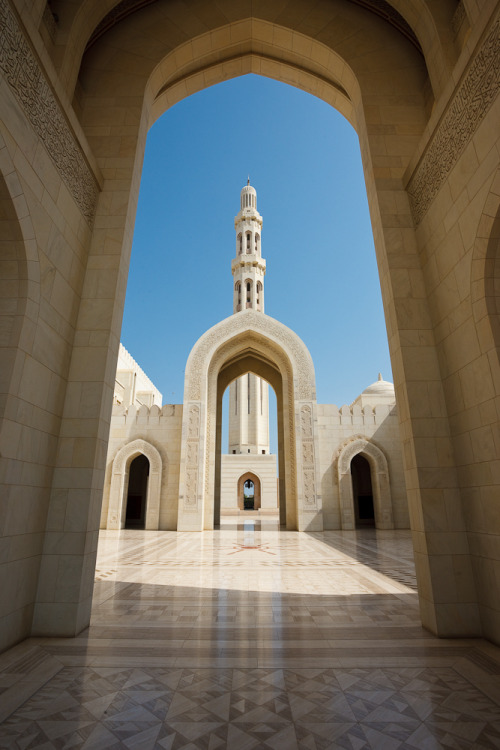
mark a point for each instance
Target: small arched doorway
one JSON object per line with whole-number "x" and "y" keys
{"x": 146, "y": 485}
{"x": 362, "y": 492}
{"x": 137, "y": 492}
{"x": 249, "y": 491}
{"x": 362, "y": 468}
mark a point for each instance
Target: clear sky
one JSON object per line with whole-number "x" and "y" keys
{"x": 304, "y": 161}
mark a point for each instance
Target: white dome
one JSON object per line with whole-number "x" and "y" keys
{"x": 248, "y": 196}
{"x": 380, "y": 388}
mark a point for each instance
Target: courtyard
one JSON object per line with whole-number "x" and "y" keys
{"x": 252, "y": 637}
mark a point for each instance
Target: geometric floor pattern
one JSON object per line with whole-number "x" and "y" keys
{"x": 310, "y": 709}
{"x": 249, "y": 637}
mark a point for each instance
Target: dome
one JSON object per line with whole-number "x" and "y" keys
{"x": 380, "y": 388}
{"x": 248, "y": 196}
{"x": 379, "y": 392}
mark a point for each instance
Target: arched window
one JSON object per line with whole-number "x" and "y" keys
{"x": 257, "y": 243}
{"x": 240, "y": 243}
{"x": 249, "y": 294}
{"x": 259, "y": 292}
{"x": 249, "y": 238}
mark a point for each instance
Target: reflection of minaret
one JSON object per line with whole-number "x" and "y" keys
{"x": 248, "y": 395}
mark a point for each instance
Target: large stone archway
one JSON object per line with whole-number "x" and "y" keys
{"x": 119, "y": 483}
{"x": 249, "y": 341}
{"x": 419, "y": 82}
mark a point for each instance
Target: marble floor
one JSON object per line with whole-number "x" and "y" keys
{"x": 251, "y": 637}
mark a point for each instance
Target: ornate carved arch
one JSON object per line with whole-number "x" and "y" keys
{"x": 380, "y": 482}
{"x": 119, "y": 484}
{"x": 249, "y": 341}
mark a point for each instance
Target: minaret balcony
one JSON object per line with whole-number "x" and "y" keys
{"x": 248, "y": 259}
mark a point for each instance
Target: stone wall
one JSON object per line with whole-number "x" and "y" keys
{"x": 337, "y": 427}
{"x": 233, "y": 467}
{"x": 162, "y": 429}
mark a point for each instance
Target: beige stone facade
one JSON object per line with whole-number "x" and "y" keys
{"x": 371, "y": 431}
{"x": 420, "y": 83}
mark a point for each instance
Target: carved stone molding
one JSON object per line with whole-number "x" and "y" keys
{"x": 261, "y": 324}
{"x": 308, "y": 472}
{"x": 33, "y": 92}
{"x": 193, "y": 436}
{"x": 357, "y": 445}
{"x": 134, "y": 449}
{"x": 467, "y": 109}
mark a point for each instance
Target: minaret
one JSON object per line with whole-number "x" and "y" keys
{"x": 248, "y": 395}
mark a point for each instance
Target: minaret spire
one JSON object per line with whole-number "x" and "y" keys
{"x": 249, "y": 394}
{"x": 248, "y": 267}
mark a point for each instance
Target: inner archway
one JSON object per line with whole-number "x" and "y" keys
{"x": 249, "y": 447}
{"x": 266, "y": 369}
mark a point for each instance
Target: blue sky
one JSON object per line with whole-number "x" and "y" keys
{"x": 303, "y": 159}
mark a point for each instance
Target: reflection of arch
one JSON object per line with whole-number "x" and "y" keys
{"x": 119, "y": 484}
{"x": 249, "y": 342}
{"x": 380, "y": 483}
{"x": 257, "y": 489}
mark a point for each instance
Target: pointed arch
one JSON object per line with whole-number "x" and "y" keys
{"x": 119, "y": 484}
{"x": 250, "y": 342}
{"x": 380, "y": 483}
{"x": 253, "y": 477}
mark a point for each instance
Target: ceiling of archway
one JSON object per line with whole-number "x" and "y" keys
{"x": 380, "y": 8}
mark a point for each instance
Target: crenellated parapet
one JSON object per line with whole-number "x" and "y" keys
{"x": 357, "y": 415}
{"x": 145, "y": 415}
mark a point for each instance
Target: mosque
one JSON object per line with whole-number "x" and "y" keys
{"x": 353, "y": 453}
{"x": 335, "y": 636}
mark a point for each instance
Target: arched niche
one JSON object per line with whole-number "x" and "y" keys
{"x": 257, "y": 489}
{"x": 119, "y": 484}
{"x": 382, "y": 501}
{"x": 20, "y": 281}
{"x": 485, "y": 274}
{"x": 249, "y": 342}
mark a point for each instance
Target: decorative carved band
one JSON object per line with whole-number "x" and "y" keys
{"x": 259, "y": 323}
{"x": 192, "y": 449}
{"x": 32, "y": 90}
{"x": 467, "y": 109}
{"x": 357, "y": 445}
{"x": 308, "y": 472}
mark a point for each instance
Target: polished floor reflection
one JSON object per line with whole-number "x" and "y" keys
{"x": 251, "y": 637}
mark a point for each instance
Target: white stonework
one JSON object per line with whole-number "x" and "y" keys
{"x": 132, "y": 385}
{"x": 248, "y": 395}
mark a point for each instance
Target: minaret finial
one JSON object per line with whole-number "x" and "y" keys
{"x": 380, "y": 376}
{"x": 248, "y": 180}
